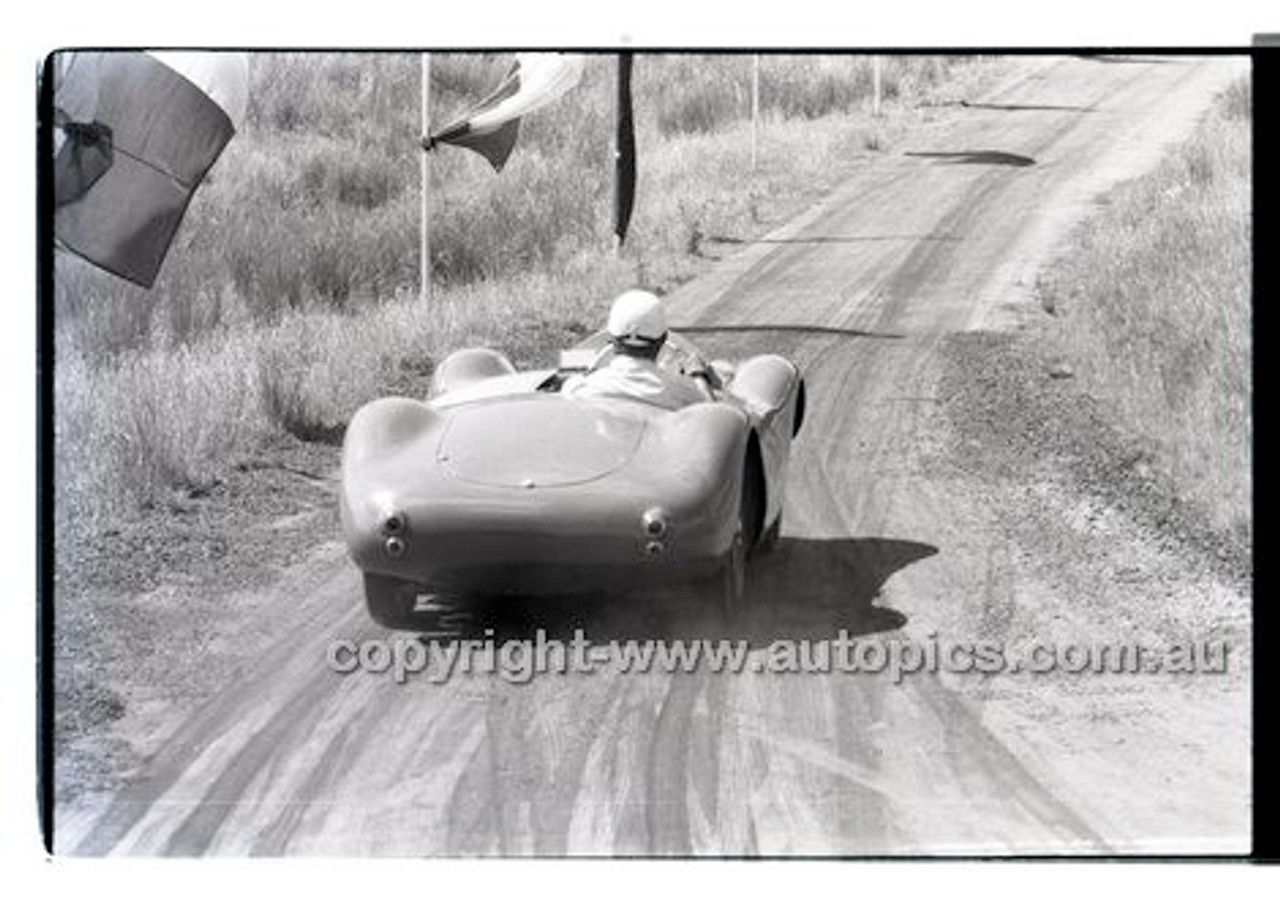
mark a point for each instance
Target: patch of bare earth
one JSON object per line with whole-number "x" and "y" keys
{"x": 139, "y": 623}
{"x": 1102, "y": 549}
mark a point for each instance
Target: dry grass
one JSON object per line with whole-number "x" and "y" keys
{"x": 716, "y": 87}
{"x": 150, "y": 423}
{"x": 1155, "y": 309}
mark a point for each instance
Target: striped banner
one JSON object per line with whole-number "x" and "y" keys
{"x": 491, "y": 127}
{"x": 135, "y": 135}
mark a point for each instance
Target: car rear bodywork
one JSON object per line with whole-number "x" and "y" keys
{"x": 498, "y": 484}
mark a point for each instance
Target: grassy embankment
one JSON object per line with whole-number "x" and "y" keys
{"x": 1153, "y": 305}
{"x": 290, "y": 296}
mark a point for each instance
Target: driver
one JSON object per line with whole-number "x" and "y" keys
{"x": 638, "y": 328}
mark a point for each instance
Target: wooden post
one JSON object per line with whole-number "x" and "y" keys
{"x": 624, "y": 154}
{"x": 424, "y": 263}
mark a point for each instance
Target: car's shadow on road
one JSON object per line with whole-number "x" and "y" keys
{"x": 805, "y": 589}
{"x": 813, "y": 588}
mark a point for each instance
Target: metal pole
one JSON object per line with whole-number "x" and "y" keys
{"x": 755, "y": 105}
{"x": 875, "y": 80}
{"x": 424, "y": 262}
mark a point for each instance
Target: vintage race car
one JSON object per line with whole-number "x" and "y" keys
{"x": 500, "y": 485}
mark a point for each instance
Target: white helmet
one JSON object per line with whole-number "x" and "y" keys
{"x": 637, "y": 319}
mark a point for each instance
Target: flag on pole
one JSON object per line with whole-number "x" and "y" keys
{"x": 624, "y": 150}
{"x": 491, "y": 127}
{"x": 135, "y": 134}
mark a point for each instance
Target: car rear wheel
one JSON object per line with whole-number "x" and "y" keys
{"x": 734, "y": 594}
{"x": 769, "y": 540}
{"x": 726, "y": 591}
{"x": 390, "y": 601}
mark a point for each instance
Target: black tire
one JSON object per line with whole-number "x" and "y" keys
{"x": 725, "y": 591}
{"x": 769, "y": 540}
{"x": 390, "y": 601}
{"x": 798, "y": 419}
{"x": 733, "y": 582}
{"x": 752, "y": 509}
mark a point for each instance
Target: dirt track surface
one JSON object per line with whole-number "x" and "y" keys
{"x": 887, "y": 533}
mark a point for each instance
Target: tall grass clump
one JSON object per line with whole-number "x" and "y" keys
{"x": 1155, "y": 300}
{"x": 130, "y": 433}
{"x": 704, "y": 93}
